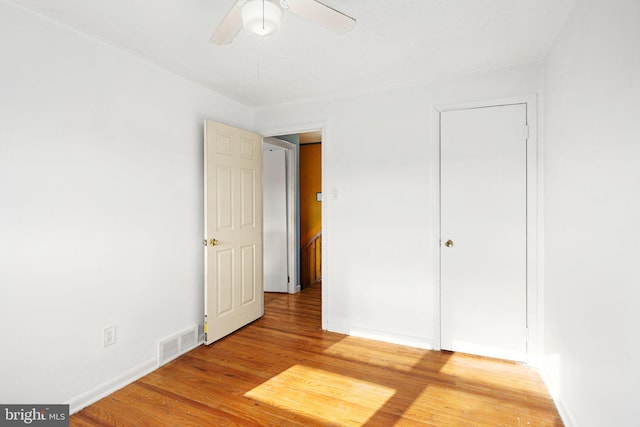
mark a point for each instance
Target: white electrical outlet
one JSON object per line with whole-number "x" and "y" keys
{"x": 108, "y": 335}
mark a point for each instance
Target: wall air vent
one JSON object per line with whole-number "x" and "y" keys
{"x": 168, "y": 350}
{"x": 177, "y": 344}
{"x": 188, "y": 340}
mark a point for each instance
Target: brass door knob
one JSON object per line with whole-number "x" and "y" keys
{"x": 449, "y": 243}
{"x": 214, "y": 242}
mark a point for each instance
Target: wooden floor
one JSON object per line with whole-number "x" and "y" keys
{"x": 283, "y": 370}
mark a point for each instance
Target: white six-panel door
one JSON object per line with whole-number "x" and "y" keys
{"x": 483, "y": 231}
{"x": 233, "y": 229}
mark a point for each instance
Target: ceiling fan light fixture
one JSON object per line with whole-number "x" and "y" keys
{"x": 261, "y": 17}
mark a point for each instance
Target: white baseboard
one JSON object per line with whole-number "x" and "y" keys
{"x": 563, "y": 410}
{"x": 103, "y": 390}
{"x": 85, "y": 399}
{"x": 377, "y": 335}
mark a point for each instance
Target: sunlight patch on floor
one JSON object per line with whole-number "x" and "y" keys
{"x": 351, "y": 348}
{"x": 428, "y": 406}
{"x": 322, "y": 395}
{"x": 496, "y": 375}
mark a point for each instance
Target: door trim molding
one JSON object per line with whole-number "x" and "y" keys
{"x": 534, "y": 206}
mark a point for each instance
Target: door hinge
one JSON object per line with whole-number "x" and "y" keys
{"x": 526, "y": 131}
{"x": 526, "y": 334}
{"x": 288, "y": 279}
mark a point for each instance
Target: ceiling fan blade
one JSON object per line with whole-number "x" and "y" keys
{"x": 229, "y": 27}
{"x": 322, "y": 14}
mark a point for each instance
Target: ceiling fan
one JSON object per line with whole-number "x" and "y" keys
{"x": 263, "y": 17}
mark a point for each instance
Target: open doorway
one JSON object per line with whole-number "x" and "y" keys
{"x": 293, "y": 211}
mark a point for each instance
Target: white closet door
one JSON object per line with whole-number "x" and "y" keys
{"x": 483, "y": 231}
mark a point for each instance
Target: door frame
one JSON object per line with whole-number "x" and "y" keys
{"x": 291, "y": 167}
{"x": 534, "y": 289}
{"x": 325, "y": 131}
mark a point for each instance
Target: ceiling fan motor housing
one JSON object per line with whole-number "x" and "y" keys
{"x": 261, "y": 17}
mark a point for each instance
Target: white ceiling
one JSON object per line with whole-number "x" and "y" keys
{"x": 394, "y": 43}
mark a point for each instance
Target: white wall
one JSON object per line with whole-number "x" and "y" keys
{"x": 592, "y": 214}
{"x": 379, "y": 236}
{"x": 100, "y": 209}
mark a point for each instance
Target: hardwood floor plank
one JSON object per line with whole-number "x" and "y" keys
{"x": 284, "y": 370}
{"x": 202, "y": 382}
